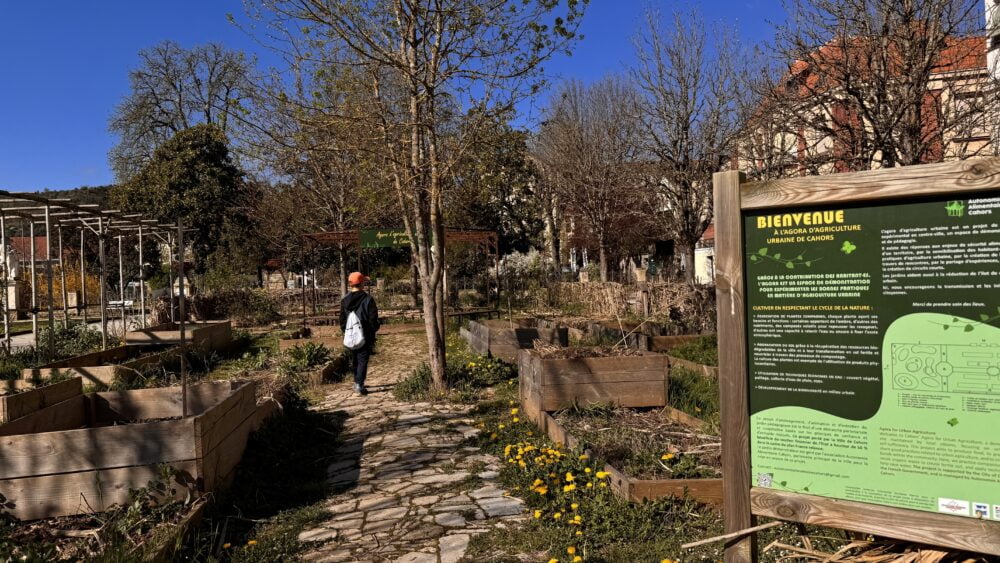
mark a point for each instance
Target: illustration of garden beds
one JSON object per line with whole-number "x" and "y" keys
{"x": 503, "y": 339}
{"x": 613, "y": 402}
{"x": 84, "y": 454}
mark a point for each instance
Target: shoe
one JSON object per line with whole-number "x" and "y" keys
{"x": 360, "y": 389}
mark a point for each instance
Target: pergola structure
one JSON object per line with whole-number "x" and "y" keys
{"x": 55, "y": 215}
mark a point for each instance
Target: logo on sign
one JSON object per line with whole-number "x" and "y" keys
{"x": 980, "y": 510}
{"x": 955, "y": 208}
{"x": 952, "y": 506}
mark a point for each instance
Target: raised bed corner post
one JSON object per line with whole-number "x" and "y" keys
{"x": 104, "y": 285}
{"x": 733, "y": 380}
{"x": 51, "y": 349}
{"x": 142, "y": 284}
{"x": 170, "y": 277}
{"x": 6, "y": 283}
{"x": 180, "y": 283}
{"x": 34, "y": 288}
{"x": 62, "y": 279}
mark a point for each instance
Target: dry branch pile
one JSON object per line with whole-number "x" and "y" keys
{"x": 691, "y": 310}
{"x": 876, "y": 551}
{"x": 551, "y": 352}
{"x": 645, "y": 444}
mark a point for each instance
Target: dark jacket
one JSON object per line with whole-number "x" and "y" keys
{"x": 367, "y": 310}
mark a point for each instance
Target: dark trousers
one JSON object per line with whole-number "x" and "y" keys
{"x": 361, "y": 356}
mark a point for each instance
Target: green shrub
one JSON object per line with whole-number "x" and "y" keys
{"x": 309, "y": 354}
{"x": 704, "y": 350}
{"x": 242, "y": 306}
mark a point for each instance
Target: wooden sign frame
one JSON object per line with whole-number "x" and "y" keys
{"x": 744, "y": 502}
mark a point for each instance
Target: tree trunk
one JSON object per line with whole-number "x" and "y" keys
{"x": 604, "y": 262}
{"x": 689, "y": 271}
{"x": 414, "y": 285}
{"x": 342, "y": 263}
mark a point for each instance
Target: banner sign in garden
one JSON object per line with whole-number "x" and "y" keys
{"x": 384, "y": 238}
{"x": 859, "y": 353}
{"x": 874, "y": 353}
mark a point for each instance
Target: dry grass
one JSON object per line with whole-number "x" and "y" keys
{"x": 552, "y": 352}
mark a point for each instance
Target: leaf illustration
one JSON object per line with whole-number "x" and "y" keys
{"x": 848, "y": 247}
{"x": 790, "y": 265}
{"x": 753, "y": 258}
{"x": 946, "y": 327}
{"x": 969, "y": 328}
{"x": 809, "y": 264}
{"x": 953, "y": 422}
{"x": 762, "y": 251}
{"x": 777, "y": 256}
{"x": 783, "y": 483}
{"x": 984, "y": 317}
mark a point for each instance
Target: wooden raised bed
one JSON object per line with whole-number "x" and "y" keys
{"x": 83, "y": 454}
{"x": 102, "y": 367}
{"x": 627, "y": 381}
{"x": 207, "y": 335}
{"x": 504, "y": 339}
{"x": 708, "y": 491}
{"x": 16, "y": 405}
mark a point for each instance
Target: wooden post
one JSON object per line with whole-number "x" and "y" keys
{"x": 733, "y": 382}
{"x": 304, "y": 314}
{"x": 82, "y": 303}
{"x": 50, "y": 306}
{"x": 142, "y": 284}
{"x": 121, "y": 286}
{"x": 104, "y": 286}
{"x": 170, "y": 275}
{"x": 6, "y": 283}
{"x": 62, "y": 281}
{"x": 180, "y": 288}
{"x": 34, "y": 284}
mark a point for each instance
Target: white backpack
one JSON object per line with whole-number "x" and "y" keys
{"x": 354, "y": 334}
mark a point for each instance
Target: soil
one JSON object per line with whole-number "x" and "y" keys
{"x": 637, "y": 440}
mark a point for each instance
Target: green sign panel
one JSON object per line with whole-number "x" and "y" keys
{"x": 874, "y": 353}
{"x": 384, "y": 238}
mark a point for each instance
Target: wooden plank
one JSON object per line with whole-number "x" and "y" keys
{"x": 604, "y": 370}
{"x": 26, "y": 455}
{"x": 955, "y": 532}
{"x": 733, "y": 382}
{"x": 557, "y": 433}
{"x": 81, "y": 493}
{"x": 15, "y": 406}
{"x": 163, "y": 402}
{"x": 67, "y": 415}
{"x": 219, "y": 463}
{"x": 666, "y": 343}
{"x": 708, "y": 491}
{"x": 161, "y": 547}
{"x": 955, "y": 178}
{"x": 684, "y": 418}
{"x": 626, "y": 394}
{"x": 218, "y": 422}
{"x": 703, "y": 370}
{"x": 619, "y": 482}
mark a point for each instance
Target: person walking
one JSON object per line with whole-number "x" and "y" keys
{"x": 362, "y": 304}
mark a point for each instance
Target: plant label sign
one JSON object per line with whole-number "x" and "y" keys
{"x": 873, "y": 355}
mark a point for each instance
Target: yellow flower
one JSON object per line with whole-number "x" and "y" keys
{"x": 516, "y": 419}
{"x": 541, "y": 490}
{"x": 553, "y": 560}
{"x": 667, "y": 457}
{"x": 574, "y": 506}
{"x": 557, "y": 515}
{"x": 538, "y": 514}
{"x": 569, "y": 477}
{"x": 697, "y": 409}
{"x": 571, "y": 550}
{"x": 513, "y": 411}
{"x": 227, "y": 545}
{"x": 568, "y": 488}
{"x": 590, "y": 485}
{"x": 537, "y": 483}
{"x": 602, "y": 474}
{"x": 501, "y": 427}
{"x": 530, "y": 433}
{"x": 579, "y": 533}
{"x": 252, "y": 542}
{"x": 577, "y": 559}
{"x": 603, "y": 485}
{"x": 586, "y": 470}
{"x": 584, "y": 457}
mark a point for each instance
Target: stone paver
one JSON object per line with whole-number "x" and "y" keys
{"x": 407, "y": 487}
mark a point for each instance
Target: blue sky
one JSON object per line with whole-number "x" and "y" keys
{"x": 64, "y": 66}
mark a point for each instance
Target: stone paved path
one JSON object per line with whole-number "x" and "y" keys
{"x": 407, "y": 487}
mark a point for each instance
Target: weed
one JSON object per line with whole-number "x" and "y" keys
{"x": 694, "y": 394}
{"x": 703, "y": 350}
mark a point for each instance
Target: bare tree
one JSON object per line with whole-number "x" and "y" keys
{"x": 173, "y": 89}
{"x": 590, "y": 146}
{"x": 688, "y": 86}
{"x": 425, "y": 62}
{"x": 881, "y": 83}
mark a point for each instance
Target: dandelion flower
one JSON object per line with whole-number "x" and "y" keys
{"x": 602, "y": 474}
{"x": 569, "y": 477}
{"x": 577, "y": 559}
{"x": 514, "y": 411}
{"x": 571, "y": 550}
{"x": 584, "y": 457}
{"x": 538, "y": 514}
{"x": 557, "y": 515}
{"x": 252, "y": 542}
{"x": 227, "y": 545}
{"x": 586, "y": 470}
{"x": 667, "y": 457}
{"x": 516, "y": 419}
{"x": 553, "y": 560}
{"x": 574, "y": 506}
